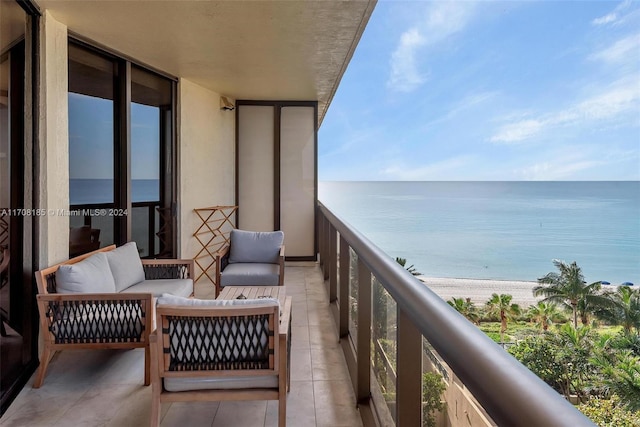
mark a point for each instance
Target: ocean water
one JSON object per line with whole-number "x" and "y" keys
{"x": 498, "y": 230}
{"x": 90, "y": 191}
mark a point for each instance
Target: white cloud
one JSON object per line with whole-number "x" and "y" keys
{"x": 614, "y": 16}
{"x": 518, "y": 131}
{"x": 556, "y": 170}
{"x": 468, "y": 102}
{"x": 404, "y": 73}
{"x": 574, "y": 162}
{"x": 444, "y": 18}
{"x": 453, "y": 168}
{"x": 619, "y": 101}
{"x": 626, "y": 49}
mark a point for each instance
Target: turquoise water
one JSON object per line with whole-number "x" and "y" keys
{"x": 498, "y": 230}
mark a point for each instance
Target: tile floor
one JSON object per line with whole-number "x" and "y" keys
{"x": 105, "y": 388}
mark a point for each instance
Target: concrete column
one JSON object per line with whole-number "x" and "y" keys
{"x": 53, "y": 142}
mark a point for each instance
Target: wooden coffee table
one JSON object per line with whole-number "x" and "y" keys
{"x": 279, "y": 292}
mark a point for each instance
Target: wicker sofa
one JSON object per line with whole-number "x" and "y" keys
{"x": 104, "y": 300}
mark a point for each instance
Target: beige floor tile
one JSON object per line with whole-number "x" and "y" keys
{"x": 300, "y": 336}
{"x": 301, "y": 367}
{"x": 46, "y": 405}
{"x": 77, "y": 366}
{"x": 241, "y": 413}
{"x": 335, "y": 404}
{"x": 190, "y": 414}
{"x": 319, "y": 318}
{"x": 327, "y": 337}
{"x": 328, "y": 364}
{"x": 300, "y": 407}
{"x": 124, "y": 367}
{"x": 299, "y": 315}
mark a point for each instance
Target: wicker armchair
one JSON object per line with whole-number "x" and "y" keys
{"x": 252, "y": 258}
{"x": 217, "y": 350}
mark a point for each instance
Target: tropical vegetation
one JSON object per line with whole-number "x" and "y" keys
{"x": 581, "y": 339}
{"x": 500, "y": 306}
{"x": 568, "y": 288}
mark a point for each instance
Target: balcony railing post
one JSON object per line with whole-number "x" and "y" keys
{"x": 326, "y": 231}
{"x": 320, "y": 225}
{"x": 409, "y": 370}
{"x": 363, "y": 391}
{"x": 343, "y": 299}
{"x": 151, "y": 229}
{"x": 333, "y": 264}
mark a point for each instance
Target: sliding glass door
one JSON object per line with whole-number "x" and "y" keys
{"x": 121, "y": 154}
{"x": 18, "y": 327}
{"x": 92, "y": 94}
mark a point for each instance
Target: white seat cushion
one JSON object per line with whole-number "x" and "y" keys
{"x": 157, "y": 287}
{"x": 250, "y": 274}
{"x": 220, "y": 383}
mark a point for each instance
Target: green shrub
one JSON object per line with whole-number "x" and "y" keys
{"x": 609, "y": 413}
{"x": 432, "y": 389}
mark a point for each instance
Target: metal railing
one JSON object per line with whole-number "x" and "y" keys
{"x": 89, "y": 214}
{"x": 509, "y": 393}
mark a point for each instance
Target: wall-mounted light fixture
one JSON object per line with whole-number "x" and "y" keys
{"x": 226, "y": 104}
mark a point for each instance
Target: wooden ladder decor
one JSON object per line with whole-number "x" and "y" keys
{"x": 212, "y": 234}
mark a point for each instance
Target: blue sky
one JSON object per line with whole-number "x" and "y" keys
{"x": 444, "y": 90}
{"x": 91, "y": 139}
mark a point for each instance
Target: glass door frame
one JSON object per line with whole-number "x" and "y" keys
{"x": 23, "y": 232}
{"x": 122, "y": 148}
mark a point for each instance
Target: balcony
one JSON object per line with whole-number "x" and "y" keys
{"x": 105, "y": 387}
{"x": 342, "y": 374}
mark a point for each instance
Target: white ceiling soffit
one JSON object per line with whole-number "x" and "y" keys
{"x": 257, "y": 50}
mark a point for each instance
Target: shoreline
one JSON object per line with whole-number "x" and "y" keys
{"x": 480, "y": 290}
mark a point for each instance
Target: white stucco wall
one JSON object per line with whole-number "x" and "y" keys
{"x": 206, "y": 159}
{"x": 54, "y": 142}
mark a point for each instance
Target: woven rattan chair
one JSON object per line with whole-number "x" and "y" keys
{"x": 252, "y": 258}
{"x": 216, "y": 350}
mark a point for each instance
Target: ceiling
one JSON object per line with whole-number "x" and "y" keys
{"x": 255, "y": 50}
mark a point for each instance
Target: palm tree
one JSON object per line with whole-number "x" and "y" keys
{"x": 500, "y": 306}
{"x": 624, "y": 310}
{"x": 465, "y": 307}
{"x": 411, "y": 269}
{"x": 568, "y": 289}
{"x": 544, "y": 314}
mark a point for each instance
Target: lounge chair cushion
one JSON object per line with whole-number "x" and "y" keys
{"x": 255, "y": 246}
{"x": 91, "y": 275}
{"x": 250, "y": 274}
{"x": 126, "y": 266}
{"x": 157, "y": 287}
{"x": 219, "y": 383}
{"x": 172, "y": 299}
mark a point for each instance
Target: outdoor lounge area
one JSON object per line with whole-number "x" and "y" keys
{"x": 134, "y": 119}
{"x": 105, "y": 387}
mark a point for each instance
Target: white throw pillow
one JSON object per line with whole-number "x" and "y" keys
{"x": 91, "y": 275}
{"x": 126, "y": 266}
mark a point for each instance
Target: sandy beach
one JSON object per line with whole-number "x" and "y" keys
{"x": 480, "y": 290}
